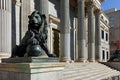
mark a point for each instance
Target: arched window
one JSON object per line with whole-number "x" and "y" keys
{"x": 102, "y": 34}
{"x": 106, "y": 36}
{"x": 103, "y": 53}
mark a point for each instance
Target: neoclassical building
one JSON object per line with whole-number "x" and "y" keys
{"x": 75, "y": 27}
{"x": 114, "y": 18}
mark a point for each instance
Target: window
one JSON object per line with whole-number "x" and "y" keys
{"x": 56, "y": 42}
{"x": 106, "y": 36}
{"x": 102, "y": 33}
{"x": 103, "y": 52}
{"x": 105, "y": 21}
{"x": 102, "y": 17}
{"x": 107, "y": 55}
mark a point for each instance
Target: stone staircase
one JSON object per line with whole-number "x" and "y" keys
{"x": 89, "y": 71}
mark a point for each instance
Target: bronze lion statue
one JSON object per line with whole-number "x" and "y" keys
{"x": 35, "y": 38}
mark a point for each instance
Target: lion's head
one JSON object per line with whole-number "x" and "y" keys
{"x": 35, "y": 20}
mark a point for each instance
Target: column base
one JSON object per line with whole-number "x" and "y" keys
{"x": 4, "y": 55}
{"x": 31, "y": 71}
{"x": 63, "y": 59}
{"x": 91, "y": 60}
{"x": 82, "y": 60}
{"x": 98, "y": 60}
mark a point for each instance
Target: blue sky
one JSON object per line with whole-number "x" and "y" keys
{"x": 108, "y": 4}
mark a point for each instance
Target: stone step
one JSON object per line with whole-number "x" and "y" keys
{"x": 82, "y": 66}
{"x": 99, "y": 75}
{"x": 85, "y": 74}
{"x": 74, "y": 70}
{"x": 89, "y": 71}
{"x": 105, "y": 76}
{"x": 82, "y": 70}
{"x": 78, "y": 69}
{"x": 91, "y": 77}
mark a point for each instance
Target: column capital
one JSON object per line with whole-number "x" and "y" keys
{"x": 90, "y": 4}
{"x": 16, "y": 2}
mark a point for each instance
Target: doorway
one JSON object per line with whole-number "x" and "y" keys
{"x": 56, "y": 42}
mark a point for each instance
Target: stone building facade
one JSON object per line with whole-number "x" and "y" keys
{"x": 114, "y": 18}
{"x": 105, "y": 47}
{"x": 74, "y": 27}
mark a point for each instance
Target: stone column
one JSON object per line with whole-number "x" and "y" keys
{"x": 98, "y": 36}
{"x": 81, "y": 31}
{"x": 5, "y": 28}
{"x": 15, "y": 22}
{"x": 91, "y": 32}
{"x": 65, "y": 30}
{"x": 73, "y": 39}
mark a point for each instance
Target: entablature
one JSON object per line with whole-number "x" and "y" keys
{"x": 95, "y": 3}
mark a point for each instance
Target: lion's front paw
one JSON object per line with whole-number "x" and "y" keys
{"x": 35, "y": 42}
{"x": 52, "y": 55}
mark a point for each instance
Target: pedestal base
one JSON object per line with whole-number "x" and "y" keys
{"x": 31, "y": 68}
{"x": 31, "y": 71}
{"x": 29, "y": 60}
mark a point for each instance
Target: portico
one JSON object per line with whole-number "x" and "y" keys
{"x": 84, "y": 35}
{"x": 90, "y": 47}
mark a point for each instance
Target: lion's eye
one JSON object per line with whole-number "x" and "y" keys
{"x": 29, "y": 17}
{"x": 36, "y": 16}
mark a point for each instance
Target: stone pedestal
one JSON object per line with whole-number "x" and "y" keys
{"x": 31, "y": 71}
{"x": 30, "y": 60}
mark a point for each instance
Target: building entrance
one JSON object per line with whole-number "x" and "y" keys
{"x": 56, "y": 42}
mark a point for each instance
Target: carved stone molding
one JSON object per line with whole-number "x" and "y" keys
{"x": 97, "y": 11}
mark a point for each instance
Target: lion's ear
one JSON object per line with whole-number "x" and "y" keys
{"x": 29, "y": 16}
{"x": 44, "y": 16}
